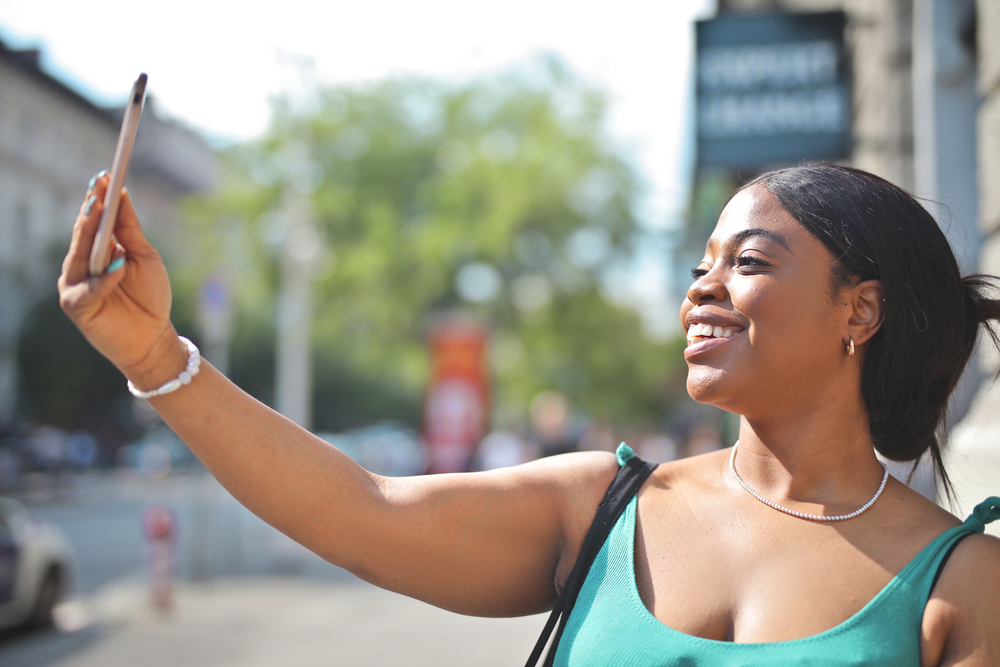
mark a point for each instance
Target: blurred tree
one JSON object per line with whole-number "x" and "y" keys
{"x": 70, "y": 384}
{"x": 65, "y": 382}
{"x": 500, "y": 199}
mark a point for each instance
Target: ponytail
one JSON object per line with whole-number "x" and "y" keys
{"x": 982, "y": 309}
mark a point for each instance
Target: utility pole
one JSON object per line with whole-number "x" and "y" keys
{"x": 300, "y": 255}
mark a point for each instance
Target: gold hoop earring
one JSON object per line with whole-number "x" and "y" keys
{"x": 850, "y": 348}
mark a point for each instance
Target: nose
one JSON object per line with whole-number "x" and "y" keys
{"x": 705, "y": 289}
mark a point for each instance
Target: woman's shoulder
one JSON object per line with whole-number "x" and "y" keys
{"x": 961, "y": 615}
{"x": 595, "y": 471}
{"x": 914, "y": 512}
{"x": 577, "y": 481}
{"x": 974, "y": 567}
{"x": 695, "y": 472}
{"x": 976, "y": 558}
{"x": 589, "y": 470}
{"x": 582, "y": 478}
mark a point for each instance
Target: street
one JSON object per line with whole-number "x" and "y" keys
{"x": 246, "y": 595}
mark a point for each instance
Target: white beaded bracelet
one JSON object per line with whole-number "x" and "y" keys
{"x": 193, "y": 365}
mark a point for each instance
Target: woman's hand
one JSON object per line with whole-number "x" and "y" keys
{"x": 124, "y": 313}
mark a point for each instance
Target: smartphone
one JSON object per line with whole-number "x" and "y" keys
{"x": 100, "y": 254}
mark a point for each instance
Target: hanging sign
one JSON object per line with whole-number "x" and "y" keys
{"x": 772, "y": 89}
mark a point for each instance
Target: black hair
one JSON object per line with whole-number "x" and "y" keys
{"x": 876, "y": 230}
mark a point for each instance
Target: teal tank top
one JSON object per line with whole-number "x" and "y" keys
{"x": 609, "y": 624}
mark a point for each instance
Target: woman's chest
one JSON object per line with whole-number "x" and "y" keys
{"x": 736, "y": 579}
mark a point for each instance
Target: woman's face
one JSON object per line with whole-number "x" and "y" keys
{"x": 764, "y": 334}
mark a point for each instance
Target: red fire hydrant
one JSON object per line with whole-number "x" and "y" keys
{"x": 158, "y": 523}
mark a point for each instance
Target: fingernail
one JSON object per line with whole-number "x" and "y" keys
{"x": 115, "y": 265}
{"x": 93, "y": 181}
{"x": 90, "y": 205}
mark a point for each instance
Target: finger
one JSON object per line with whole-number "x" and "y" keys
{"x": 98, "y": 189}
{"x": 101, "y": 286}
{"x": 77, "y": 298}
{"x": 75, "y": 266}
{"x": 116, "y": 259}
{"x": 93, "y": 182}
{"x": 128, "y": 231}
{"x": 82, "y": 299}
{"x": 113, "y": 245}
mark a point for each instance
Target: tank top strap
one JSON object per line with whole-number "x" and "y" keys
{"x": 920, "y": 575}
{"x": 985, "y": 512}
{"x": 624, "y": 454}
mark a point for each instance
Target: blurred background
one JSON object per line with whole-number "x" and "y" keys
{"x": 445, "y": 236}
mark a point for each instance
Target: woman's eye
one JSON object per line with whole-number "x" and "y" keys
{"x": 750, "y": 260}
{"x": 741, "y": 261}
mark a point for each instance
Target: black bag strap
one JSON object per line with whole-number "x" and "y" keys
{"x": 626, "y": 483}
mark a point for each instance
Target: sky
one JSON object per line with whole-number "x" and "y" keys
{"x": 214, "y": 64}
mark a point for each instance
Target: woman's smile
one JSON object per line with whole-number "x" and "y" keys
{"x": 703, "y": 335}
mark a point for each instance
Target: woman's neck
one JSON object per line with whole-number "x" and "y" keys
{"x": 827, "y": 459}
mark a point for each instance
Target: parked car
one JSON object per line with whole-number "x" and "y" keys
{"x": 35, "y": 566}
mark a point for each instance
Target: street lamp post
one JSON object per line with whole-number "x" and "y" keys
{"x": 300, "y": 256}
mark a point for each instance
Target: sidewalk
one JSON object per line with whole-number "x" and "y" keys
{"x": 293, "y": 622}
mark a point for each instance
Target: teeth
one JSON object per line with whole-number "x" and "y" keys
{"x": 708, "y": 331}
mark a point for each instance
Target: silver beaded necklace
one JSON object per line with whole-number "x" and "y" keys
{"x": 803, "y": 515}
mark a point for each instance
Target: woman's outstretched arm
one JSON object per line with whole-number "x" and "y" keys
{"x": 484, "y": 543}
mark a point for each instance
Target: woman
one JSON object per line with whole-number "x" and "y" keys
{"x": 828, "y": 311}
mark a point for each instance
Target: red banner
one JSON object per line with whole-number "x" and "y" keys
{"x": 456, "y": 411}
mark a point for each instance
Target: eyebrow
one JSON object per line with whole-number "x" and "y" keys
{"x": 744, "y": 234}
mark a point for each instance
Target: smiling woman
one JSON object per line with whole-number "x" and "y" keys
{"x": 828, "y": 312}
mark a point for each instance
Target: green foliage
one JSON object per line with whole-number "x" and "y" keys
{"x": 411, "y": 181}
{"x": 65, "y": 382}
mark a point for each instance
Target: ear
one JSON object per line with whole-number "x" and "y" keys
{"x": 866, "y": 302}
